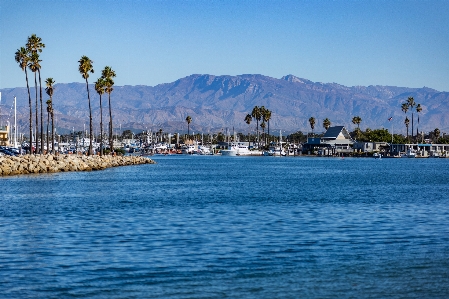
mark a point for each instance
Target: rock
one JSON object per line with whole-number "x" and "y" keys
{"x": 55, "y": 163}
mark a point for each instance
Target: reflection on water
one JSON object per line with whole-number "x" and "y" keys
{"x": 214, "y": 227}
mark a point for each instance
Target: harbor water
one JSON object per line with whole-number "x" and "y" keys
{"x": 229, "y": 227}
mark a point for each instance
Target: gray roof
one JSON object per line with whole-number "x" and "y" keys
{"x": 333, "y": 132}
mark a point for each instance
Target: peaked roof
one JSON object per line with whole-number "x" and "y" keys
{"x": 333, "y": 132}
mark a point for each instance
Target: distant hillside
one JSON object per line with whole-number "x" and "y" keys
{"x": 219, "y": 102}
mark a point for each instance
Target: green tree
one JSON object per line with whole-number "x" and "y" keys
{"x": 85, "y": 67}
{"x": 418, "y": 111}
{"x": 108, "y": 74}
{"x": 411, "y": 104}
{"x": 100, "y": 89}
{"x": 266, "y": 117}
{"x": 188, "y": 120}
{"x": 34, "y": 65}
{"x": 35, "y": 46}
{"x": 407, "y": 123}
{"x": 48, "y": 121}
{"x": 356, "y": 120}
{"x": 248, "y": 119}
{"x": 49, "y": 82}
{"x": 312, "y": 123}
{"x": 326, "y": 123}
{"x": 21, "y": 57}
{"x": 436, "y": 134}
{"x": 257, "y": 115}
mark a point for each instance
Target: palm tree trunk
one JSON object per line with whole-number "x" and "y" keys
{"x": 31, "y": 112}
{"x": 91, "y": 129}
{"x": 412, "y": 125}
{"x": 48, "y": 122}
{"x": 101, "y": 128}
{"x": 37, "y": 116}
{"x": 111, "y": 142}
{"x": 42, "y": 121}
{"x": 53, "y": 132}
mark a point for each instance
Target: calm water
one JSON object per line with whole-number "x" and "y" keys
{"x": 229, "y": 227}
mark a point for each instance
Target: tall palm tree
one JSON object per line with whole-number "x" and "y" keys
{"x": 418, "y": 110}
{"x": 34, "y": 65}
{"x": 248, "y": 119}
{"x": 411, "y": 104}
{"x": 48, "y": 121}
{"x": 85, "y": 67}
{"x": 188, "y": 120}
{"x": 266, "y": 118}
{"x": 312, "y": 123}
{"x": 107, "y": 74}
{"x": 21, "y": 57}
{"x": 407, "y": 123}
{"x": 326, "y": 123}
{"x": 357, "y": 120}
{"x": 404, "y": 108}
{"x": 436, "y": 134}
{"x": 257, "y": 115}
{"x": 100, "y": 88}
{"x": 35, "y": 46}
{"x": 49, "y": 82}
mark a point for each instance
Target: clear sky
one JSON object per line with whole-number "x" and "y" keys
{"x": 399, "y": 43}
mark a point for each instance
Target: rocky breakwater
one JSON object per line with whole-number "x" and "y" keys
{"x": 57, "y": 163}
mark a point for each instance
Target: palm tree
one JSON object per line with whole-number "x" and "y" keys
{"x": 248, "y": 119}
{"x": 100, "y": 88}
{"x": 49, "y": 90}
{"x": 263, "y": 125}
{"x": 21, "y": 57}
{"x": 34, "y": 65}
{"x": 34, "y": 46}
{"x": 85, "y": 67}
{"x": 188, "y": 120}
{"x": 407, "y": 123}
{"x": 257, "y": 115}
{"x": 404, "y": 107}
{"x": 418, "y": 110}
{"x": 266, "y": 116}
{"x": 312, "y": 123}
{"x": 326, "y": 123}
{"x": 48, "y": 121}
{"x": 107, "y": 74}
{"x": 436, "y": 134}
{"x": 357, "y": 120}
{"x": 411, "y": 104}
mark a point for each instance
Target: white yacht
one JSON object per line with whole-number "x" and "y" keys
{"x": 409, "y": 154}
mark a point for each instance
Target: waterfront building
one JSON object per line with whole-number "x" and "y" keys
{"x": 336, "y": 140}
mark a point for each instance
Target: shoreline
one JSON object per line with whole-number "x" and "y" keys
{"x": 33, "y": 164}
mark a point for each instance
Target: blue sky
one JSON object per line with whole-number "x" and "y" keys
{"x": 399, "y": 43}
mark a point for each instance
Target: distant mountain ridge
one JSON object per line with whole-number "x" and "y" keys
{"x": 219, "y": 102}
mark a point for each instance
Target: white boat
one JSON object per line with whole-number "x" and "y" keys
{"x": 231, "y": 150}
{"x": 188, "y": 149}
{"x": 275, "y": 151}
{"x": 204, "y": 150}
{"x": 377, "y": 156}
{"x": 409, "y": 154}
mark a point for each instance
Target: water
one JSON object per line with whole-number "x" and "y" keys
{"x": 229, "y": 227}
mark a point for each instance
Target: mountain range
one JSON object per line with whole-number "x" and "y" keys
{"x": 217, "y": 103}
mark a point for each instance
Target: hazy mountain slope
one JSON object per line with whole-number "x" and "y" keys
{"x": 217, "y": 102}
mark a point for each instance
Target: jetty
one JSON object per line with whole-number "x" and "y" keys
{"x": 29, "y": 164}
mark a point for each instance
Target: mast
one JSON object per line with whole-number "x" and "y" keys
{"x": 15, "y": 123}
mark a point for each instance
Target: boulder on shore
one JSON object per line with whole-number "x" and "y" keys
{"x": 10, "y": 165}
